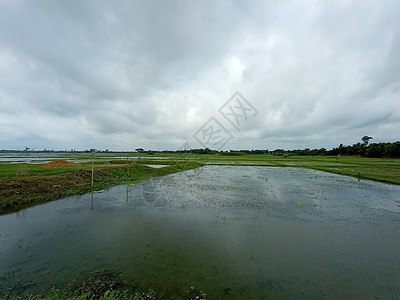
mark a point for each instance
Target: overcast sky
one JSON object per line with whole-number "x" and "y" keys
{"x": 120, "y": 75}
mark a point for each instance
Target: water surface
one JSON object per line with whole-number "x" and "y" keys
{"x": 234, "y": 232}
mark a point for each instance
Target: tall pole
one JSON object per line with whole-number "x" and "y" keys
{"x": 127, "y": 163}
{"x": 92, "y": 173}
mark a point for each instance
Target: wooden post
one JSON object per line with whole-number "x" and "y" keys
{"x": 92, "y": 173}
{"x": 127, "y": 163}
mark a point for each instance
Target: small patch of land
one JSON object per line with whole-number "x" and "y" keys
{"x": 24, "y": 185}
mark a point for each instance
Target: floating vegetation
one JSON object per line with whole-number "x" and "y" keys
{"x": 195, "y": 294}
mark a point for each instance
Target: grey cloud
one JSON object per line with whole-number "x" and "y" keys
{"x": 152, "y": 72}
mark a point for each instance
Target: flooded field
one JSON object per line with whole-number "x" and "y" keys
{"x": 233, "y": 232}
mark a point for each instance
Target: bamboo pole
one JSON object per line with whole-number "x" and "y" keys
{"x": 127, "y": 162}
{"x": 92, "y": 173}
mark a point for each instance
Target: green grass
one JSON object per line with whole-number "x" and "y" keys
{"x": 24, "y": 185}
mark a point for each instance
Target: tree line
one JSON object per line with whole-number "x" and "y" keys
{"x": 370, "y": 150}
{"x": 364, "y": 148}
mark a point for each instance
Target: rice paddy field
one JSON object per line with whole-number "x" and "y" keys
{"x": 199, "y": 227}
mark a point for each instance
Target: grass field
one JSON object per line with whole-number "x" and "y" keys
{"x": 23, "y": 185}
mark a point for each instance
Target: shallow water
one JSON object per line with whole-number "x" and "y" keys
{"x": 234, "y": 232}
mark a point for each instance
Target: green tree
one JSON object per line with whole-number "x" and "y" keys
{"x": 366, "y": 139}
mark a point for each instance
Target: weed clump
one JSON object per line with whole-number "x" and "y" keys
{"x": 101, "y": 283}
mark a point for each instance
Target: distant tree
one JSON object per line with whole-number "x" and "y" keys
{"x": 203, "y": 151}
{"x": 376, "y": 150}
{"x": 321, "y": 151}
{"x": 366, "y": 139}
{"x": 396, "y": 149}
{"x": 357, "y": 149}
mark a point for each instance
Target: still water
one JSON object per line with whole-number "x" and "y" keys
{"x": 233, "y": 232}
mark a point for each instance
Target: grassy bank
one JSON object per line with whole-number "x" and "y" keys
{"x": 24, "y": 185}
